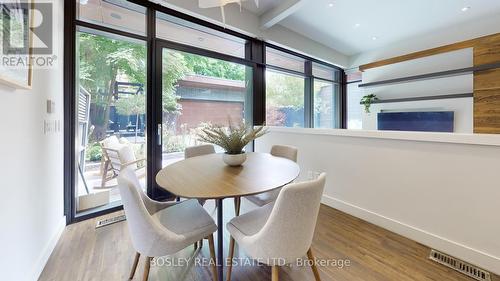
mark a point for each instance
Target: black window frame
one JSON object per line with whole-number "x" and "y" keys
{"x": 255, "y": 51}
{"x": 309, "y": 79}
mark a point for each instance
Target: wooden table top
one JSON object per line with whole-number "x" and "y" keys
{"x": 208, "y": 177}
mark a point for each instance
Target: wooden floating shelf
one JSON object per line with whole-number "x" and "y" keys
{"x": 441, "y": 97}
{"x": 435, "y": 75}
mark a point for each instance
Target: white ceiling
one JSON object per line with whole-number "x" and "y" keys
{"x": 264, "y": 6}
{"x": 350, "y": 25}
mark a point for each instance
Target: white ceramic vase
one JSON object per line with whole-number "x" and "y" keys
{"x": 234, "y": 159}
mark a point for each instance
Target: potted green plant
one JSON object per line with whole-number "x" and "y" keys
{"x": 232, "y": 139}
{"x": 367, "y": 101}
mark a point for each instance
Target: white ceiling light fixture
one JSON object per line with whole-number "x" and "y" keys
{"x": 465, "y": 9}
{"x": 374, "y": 38}
{"x": 330, "y": 5}
{"x": 204, "y": 4}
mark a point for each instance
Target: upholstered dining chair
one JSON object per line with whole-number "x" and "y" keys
{"x": 194, "y": 151}
{"x": 198, "y": 150}
{"x": 160, "y": 229}
{"x": 285, "y": 151}
{"x": 282, "y": 231}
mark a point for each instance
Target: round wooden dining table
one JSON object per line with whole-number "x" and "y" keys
{"x": 208, "y": 177}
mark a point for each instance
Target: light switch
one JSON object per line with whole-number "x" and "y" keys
{"x": 50, "y": 106}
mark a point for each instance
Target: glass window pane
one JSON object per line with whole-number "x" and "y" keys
{"x": 326, "y": 105}
{"x": 284, "y": 60}
{"x": 325, "y": 72}
{"x": 117, "y": 14}
{"x": 199, "y": 90}
{"x": 187, "y": 33}
{"x": 111, "y": 115}
{"x": 284, "y": 99}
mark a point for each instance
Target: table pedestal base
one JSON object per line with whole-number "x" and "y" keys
{"x": 220, "y": 238}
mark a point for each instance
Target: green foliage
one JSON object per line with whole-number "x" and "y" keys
{"x": 322, "y": 104}
{"x": 101, "y": 61}
{"x": 367, "y": 101}
{"x": 214, "y": 68}
{"x": 171, "y": 147}
{"x": 103, "y": 58}
{"x": 284, "y": 90}
{"x": 174, "y": 69}
{"x": 233, "y": 138}
{"x": 133, "y": 105}
{"x": 94, "y": 153}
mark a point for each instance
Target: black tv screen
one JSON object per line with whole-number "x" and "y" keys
{"x": 432, "y": 121}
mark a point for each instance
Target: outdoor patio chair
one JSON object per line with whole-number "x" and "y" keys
{"x": 117, "y": 156}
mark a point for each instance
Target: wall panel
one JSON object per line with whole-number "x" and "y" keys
{"x": 487, "y": 87}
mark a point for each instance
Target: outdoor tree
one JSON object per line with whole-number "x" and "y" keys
{"x": 102, "y": 60}
{"x": 284, "y": 98}
{"x": 284, "y": 90}
{"x": 132, "y": 105}
{"x": 173, "y": 69}
{"x": 215, "y": 68}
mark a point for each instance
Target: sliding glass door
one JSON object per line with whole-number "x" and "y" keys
{"x": 111, "y": 116}
{"x": 196, "y": 90}
{"x": 141, "y": 81}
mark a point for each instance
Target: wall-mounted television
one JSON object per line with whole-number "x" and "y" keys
{"x": 431, "y": 121}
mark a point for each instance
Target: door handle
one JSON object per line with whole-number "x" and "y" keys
{"x": 159, "y": 133}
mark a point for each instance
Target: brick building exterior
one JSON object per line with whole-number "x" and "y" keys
{"x": 207, "y": 99}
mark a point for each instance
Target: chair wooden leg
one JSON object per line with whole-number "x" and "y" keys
{"x": 212, "y": 256}
{"x": 274, "y": 276}
{"x": 237, "y": 204}
{"x": 313, "y": 267}
{"x": 134, "y": 266}
{"x": 105, "y": 174}
{"x": 146, "y": 269}
{"x": 230, "y": 259}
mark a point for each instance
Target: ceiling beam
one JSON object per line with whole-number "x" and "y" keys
{"x": 279, "y": 13}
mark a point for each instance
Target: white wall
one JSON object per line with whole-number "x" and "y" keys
{"x": 443, "y": 195}
{"x": 31, "y": 172}
{"x": 462, "y": 107}
{"x": 248, "y": 23}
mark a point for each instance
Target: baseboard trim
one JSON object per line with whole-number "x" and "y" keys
{"x": 473, "y": 256}
{"x": 47, "y": 251}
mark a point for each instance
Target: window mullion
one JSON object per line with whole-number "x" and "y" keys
{"x": 308, "y": 95}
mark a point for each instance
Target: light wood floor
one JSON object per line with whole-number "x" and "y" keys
{"x": 85, "y": 253}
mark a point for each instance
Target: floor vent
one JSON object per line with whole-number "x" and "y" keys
{"x": 460, "y": 266}
{"x": 108, "y": 221}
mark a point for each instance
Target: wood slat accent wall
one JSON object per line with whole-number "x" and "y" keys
{"x": 486, "y": 83}
{"x": 487, "y": 88}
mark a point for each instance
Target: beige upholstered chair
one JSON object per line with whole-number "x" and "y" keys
{"x": 285, "y": 151}
{"x": 116, "y": 156}
{"x": 198, "y": 150}
{"x": 193, "y": 151}
{"x": 159, "y": 229}
{"x": 281, "y": 231}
